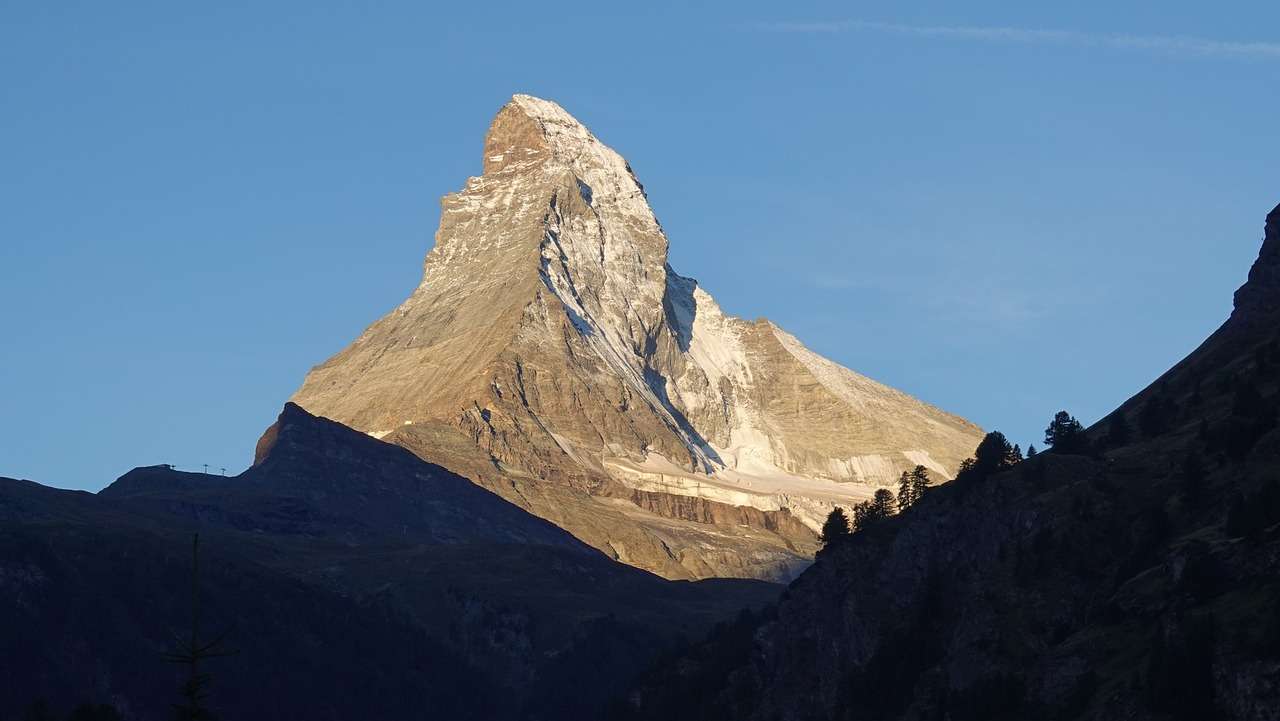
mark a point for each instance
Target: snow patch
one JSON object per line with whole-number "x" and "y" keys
{"x": 808, "y": 499}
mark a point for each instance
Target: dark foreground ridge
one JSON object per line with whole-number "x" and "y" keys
{"x": 1131, "y": 574}
{"x": 350, "y": 578}
{"x": 1137, "y": 577}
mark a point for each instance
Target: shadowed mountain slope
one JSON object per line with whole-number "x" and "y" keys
{"x": 1138, "y": 579}
{"x": 353, "y": 579}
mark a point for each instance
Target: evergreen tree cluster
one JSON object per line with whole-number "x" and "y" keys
{"x": 835, "y": 527}
{"x": 993, "y": 454}
{"x": 1066, "y": 435}
{"x": 868, "y": 513}
{"x": 911, "y": 487}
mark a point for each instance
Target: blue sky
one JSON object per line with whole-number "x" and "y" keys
{"x": 1003, "y": 209}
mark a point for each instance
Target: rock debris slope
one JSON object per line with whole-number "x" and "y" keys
{"x": 552, "y": 354}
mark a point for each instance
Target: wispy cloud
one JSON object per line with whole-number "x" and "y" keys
{"x": 1178, "y": 44}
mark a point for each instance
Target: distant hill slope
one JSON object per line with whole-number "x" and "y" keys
{"x": 353, "y": 579}
{"x": 315, "y": 477}
{"x": 1138, "y": 581}
{"x": 551, "y": 354}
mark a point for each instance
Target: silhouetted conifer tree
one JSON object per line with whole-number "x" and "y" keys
{"x": 836, "y": 526}
{"x": 919, "y": 482}
{"x": 993, "y": 454}
{"x": 868, "y": 513}
{"x": 861, "y": 515}
{"x": 1065, "y": 434}
{"x": 882, "y": 502}
{"x": 906, "y": 492}
{"x": 1031, "y": 451}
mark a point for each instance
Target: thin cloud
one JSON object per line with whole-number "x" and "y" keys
{"x": 1178, "y": 44}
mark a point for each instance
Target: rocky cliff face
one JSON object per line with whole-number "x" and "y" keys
{"x": 1258, "y": 300}
{"x": 551, "y": 354}
{"x": 1137, "y": 580}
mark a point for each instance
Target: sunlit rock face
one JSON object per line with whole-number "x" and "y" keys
{"x": 551, "y": 354}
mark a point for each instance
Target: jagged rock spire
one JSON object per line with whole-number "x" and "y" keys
{"x": 1260, "y": 295}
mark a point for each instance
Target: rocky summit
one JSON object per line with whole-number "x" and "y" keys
{"x": 553, "y": 356}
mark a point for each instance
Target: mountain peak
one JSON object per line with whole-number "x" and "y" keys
{"x": 550, "y": 350}
{"x": 528, "y": 131}
{"x": 531, "y": 134}
{"x": 292, "y": 413}
{"x": 1259, "y": 298}
{"x": 545, "y": 111}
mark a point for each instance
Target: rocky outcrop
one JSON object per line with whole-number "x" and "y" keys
{"x": 1258, "y": 300}
{"x": 550, "y": 344}
{"x": 693, "y": 508}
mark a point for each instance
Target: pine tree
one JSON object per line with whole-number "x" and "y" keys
{"x": 882, "y": 503}
{"x": 906, "y": 492}
{"x": 993, "y": 454}
{"x": 836, "y": 527}
{"x": 1065, "y": 434}
{"x": 868, "y": 513}
{"x": 1031, "y": 451}
{"x": 1017, "y": 454}
{"x": 919, "y": 482}
{"x": 861, "y": 515}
